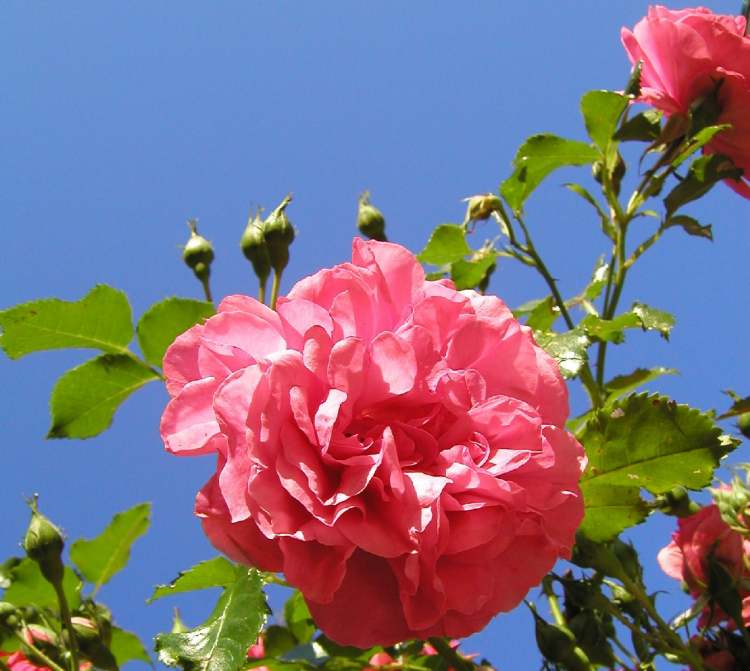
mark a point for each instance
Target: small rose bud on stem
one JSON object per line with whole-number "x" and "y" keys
{"x": 370, "y": 220}
{"x": 44, "y": 544}
{"x": 254, "y": 247}
{"x": 198, "y": 255}
{"x": 481, "y": 206}
{"x": 279, "y": 235}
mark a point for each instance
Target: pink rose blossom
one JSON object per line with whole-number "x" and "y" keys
{"x": 395, "y": 447}
{"x": 684, "y": 54}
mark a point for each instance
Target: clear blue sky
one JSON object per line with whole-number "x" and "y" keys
{"x": 121, "y": 120}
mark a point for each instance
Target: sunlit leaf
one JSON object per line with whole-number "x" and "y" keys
{"x": 568, "y": 349}
{"x": 467, "y": 274}
{"x": 652, "y": 442}
{"x": 29, "y": 587}
{"x": 100, "y": 558}
{"x": 623, "y": 384}
{"x": 537, "y": 158}
{"x": 216, "y": 572}
{"x": 85, "y": 398}
{"x": 601, "y": 112}
{"x": 611, "y": 509}
{"x": 653, "y": 319}
{"x": 222, "y": 641}
{"x": 164, "y": 321}
{"x": 100, "y": 320}
{"x": 446, "y": 245}
{"x": 127, "y": 647}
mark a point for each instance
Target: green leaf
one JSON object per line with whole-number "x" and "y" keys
{"x": 698, "y": 141}
{"x": 100, "y": 320}
{"x": 704, "y": 172}
{"x": 537, "y": 158}
{"x": 601, "y": 112}
{"x": 691, "y": 226}
{"x": 278, "y": 641}
{"x": 298, "y": 619}
{"x": 739, "y": 407}
{"x": 652, "y": 442}
{"x": 446, "y": 245}
{"x": 221, "y": 642}
{"x": 623, "y": 384}
{"x": 85, "y": 398}
{"x": 164, "y": 321}
{"x": 609, "y": 330}
{"x": 598, "y": 280}
{"x": 29, "y": 587}
{"x": 544, "y": 315}
{"x": 610, "y": 510}
{"x": 644, "y": 127}
{"x": 216, "y": 572}
{"x": 468, "y": 274}
{"x": 653, "y": 319}
{"x": 606, "y": 224}
{"x": 100, "y": 558}
{"x": 127, "y": 647}
{"x": 568, "y": 349}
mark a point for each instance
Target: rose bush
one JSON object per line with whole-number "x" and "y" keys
{"x": 381, "y": 439}
{"x": 685, "y": 55}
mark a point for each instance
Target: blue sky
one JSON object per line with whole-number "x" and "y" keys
{"x": 121, "y": 120}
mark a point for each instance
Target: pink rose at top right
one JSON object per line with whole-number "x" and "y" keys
{"x": 684, "y": 54}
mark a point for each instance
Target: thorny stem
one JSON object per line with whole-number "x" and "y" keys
{"x": 450, "y": 655}
{"x": 262, "y": 291}
{"x": 554, "y": 603}
{"x": 586, "y": 376}
{"x": 207, "y": 289}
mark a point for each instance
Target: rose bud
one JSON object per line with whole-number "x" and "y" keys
{"x": 198, "y": 253}
{"x": 279, "y": 234}
{"x": 370, "y": 220}
{"x": 743, "y": 424}
{"x": 254, "y": 247}
{"x": 481, "y": 206}
{"x": 44, "y": 544}
{"x": 86, "y": 630}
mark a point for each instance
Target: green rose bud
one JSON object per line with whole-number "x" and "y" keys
{"x": 198, "y": 253}
{"x": 370, "y": 220}
{"x": 743, "y": 424}
{"x": 279, "y": 235}
{"x": 44, "y": 544}
{"x": 254, "y": 247}
{"x": 85, "y": 629}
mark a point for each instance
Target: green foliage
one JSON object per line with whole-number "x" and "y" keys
{"x": 126, "y": 646}
{"x": 739, "y": 407}
{"x": 691, "y": 226}
{"x": 222, "y": 641}
{"x": 298, "y": 619}
{"x": 568, "y": 349}
{"x": 216, "y": 572}
{"x": 640, "y": 315}
{"x": 652, "y": 442}
{"x": 698, "y": 141}
{"x": 100, "y": 320}
{"x": 85, "y": 398}
{"x": 620, "y": 385}
{"x": 467, "y": 274}
{"x": 601, "y": 113}
{"x": 537, "y": 158}
{"x": 654, "y": 320}
{"x": 446, "y": 245}
{"x": 704, "y": 172}
{"x": 28, "y": 587}
{"x": 164, "y": 321}
{"x": 610, "y": 509}
{"x": 643, "y": 127}
{"x": 100, "y": 558}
